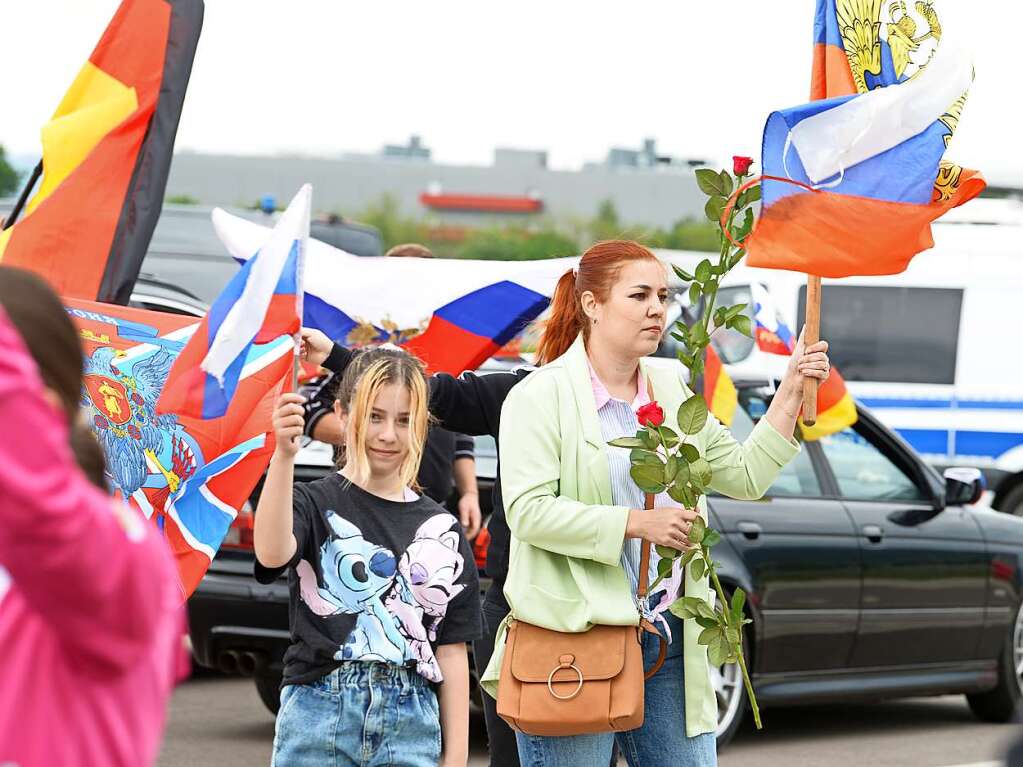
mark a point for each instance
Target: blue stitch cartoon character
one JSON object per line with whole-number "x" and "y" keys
{"x": 427, "y": 572}
{"x": 356, "y": 575}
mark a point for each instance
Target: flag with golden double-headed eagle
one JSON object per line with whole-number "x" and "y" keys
{"x": 854, "y": 178}
{"x": 106, "y": 154}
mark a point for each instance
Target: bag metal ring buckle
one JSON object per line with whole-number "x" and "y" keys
{"x": 550, "y": 680}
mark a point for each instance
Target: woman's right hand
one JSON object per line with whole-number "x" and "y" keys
{"x": 662, "y": 526}
{"x": 315, "y": 347}
{"x": 289, "y": 423}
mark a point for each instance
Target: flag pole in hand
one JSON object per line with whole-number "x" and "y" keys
{"x": 811, "y": 335}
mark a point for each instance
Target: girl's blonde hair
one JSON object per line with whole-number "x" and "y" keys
{"x": 364, "y": 377}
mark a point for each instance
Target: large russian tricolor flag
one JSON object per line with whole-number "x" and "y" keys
{"x": 453, "y": 314}
{"x": 852, "y": 182}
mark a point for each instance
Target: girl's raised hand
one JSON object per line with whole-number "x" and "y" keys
{"x": 288, "y": 423}
{"x": 315, "y": 347}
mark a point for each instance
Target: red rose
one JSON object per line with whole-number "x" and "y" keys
{"x": 650, "y": 415}
{"x": 740, "y": 165}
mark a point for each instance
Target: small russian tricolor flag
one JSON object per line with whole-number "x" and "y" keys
{"x": 261, "y": 303}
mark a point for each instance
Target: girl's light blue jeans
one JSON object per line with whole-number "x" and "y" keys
{"x": 359, "y": 715}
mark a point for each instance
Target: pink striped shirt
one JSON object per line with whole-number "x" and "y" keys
{"x": 89, "y": 620}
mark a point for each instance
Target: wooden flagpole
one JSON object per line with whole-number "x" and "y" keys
{"x": 812, "y": 335}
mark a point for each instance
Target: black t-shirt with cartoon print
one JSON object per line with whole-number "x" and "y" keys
{"x": 374, "y": 580}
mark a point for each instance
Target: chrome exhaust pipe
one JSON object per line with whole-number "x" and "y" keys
{"x": 228, "y": 662}
{"x": 249, "y": 663}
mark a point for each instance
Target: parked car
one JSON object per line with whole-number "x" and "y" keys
{"x": 870, "y": 576}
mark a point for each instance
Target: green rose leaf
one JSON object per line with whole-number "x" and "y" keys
{"x": 709, "y": 634}
{"x": 641, "y": 456}
{"x": 742, "y": 324}
{"x": 689, "y": 452}
{"x": 709, "y": 181}
{"x": 705, "y": 610}
{"x": 688, "y": 557}
{"x": 745, "y": 227}
{"x": 680, "y": 493}
{"x": 713, "y": 209}
{"x": 712, "y": 538}
{"x": 669, "y": 437}
{"x": 696, "y": 533}
{"x": 692, "y": 415}
{"x": 650, "y": 441}
{"x": 697, "y": 567}
{"x": 700, "y": 473}
{"x": 748, "y": 196}
{"x": 682, "y": 610}
{"x": 704, "y": 270}
{"x": 682, "y": 273}
{"x": 718, "y": 651}
{"x": 681, "y": 473}
{"x": 630, "y": 442}
{"x": 726, "y": 183}
{"x": 694, "y": 293}
{"x": 671, "y": 469}
{"x": 734, "y": 311}
{"x": 732, "y": 635}
{"x": 664, "y": 567}
{"x": 665, "y": 552}
{"x": 648, "y": 477}
{"x": 738, "y": 602}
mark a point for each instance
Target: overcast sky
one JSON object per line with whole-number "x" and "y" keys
{"x": 327, "y": 76}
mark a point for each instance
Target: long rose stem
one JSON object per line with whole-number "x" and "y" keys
{"x": 742, "y": 659}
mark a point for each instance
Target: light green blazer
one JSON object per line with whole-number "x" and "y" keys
{"x": 565, "y": 570}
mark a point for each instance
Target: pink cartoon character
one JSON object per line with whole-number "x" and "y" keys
{"x": 425, "y": 584}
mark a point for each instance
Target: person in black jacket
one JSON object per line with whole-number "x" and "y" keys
{"x": 469, "y": 404}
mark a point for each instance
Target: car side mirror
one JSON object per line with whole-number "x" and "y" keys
{"x": 963, "y": 486}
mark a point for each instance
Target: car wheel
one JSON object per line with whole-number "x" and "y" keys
{"x": 1012, "y": 503}
{"x": 731, "y": 694}
{"x": 1000, "y": 704}
{"x": 268, "y": 685}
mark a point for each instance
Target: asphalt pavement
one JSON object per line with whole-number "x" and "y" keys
{"x": 221, "y": 722}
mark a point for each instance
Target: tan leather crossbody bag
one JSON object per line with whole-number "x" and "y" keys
{"x": 558, "y": 683}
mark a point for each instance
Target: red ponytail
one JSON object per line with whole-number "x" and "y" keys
{"x": 564, "y": 323}
{"x": 597, "y": 272}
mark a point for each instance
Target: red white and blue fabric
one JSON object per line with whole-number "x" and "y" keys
{"x": 853, "y": 180}
{"x": 188, "y": 475}
{"x": 454, "y": 314}
{"x": 771, "y": 333}
{"x": 260, "y": 307}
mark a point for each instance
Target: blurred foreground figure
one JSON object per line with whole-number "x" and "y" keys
{"x": 89, "y": 597}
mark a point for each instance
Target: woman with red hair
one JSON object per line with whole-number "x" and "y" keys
{"x": 577, "y": 517}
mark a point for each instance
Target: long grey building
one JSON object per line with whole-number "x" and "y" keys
{"x": 646, "y": 188}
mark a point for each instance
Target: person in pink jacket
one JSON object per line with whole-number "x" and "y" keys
{"x": 88, "y": 591}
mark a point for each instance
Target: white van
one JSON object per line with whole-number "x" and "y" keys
{"x": 934, "y": 352}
